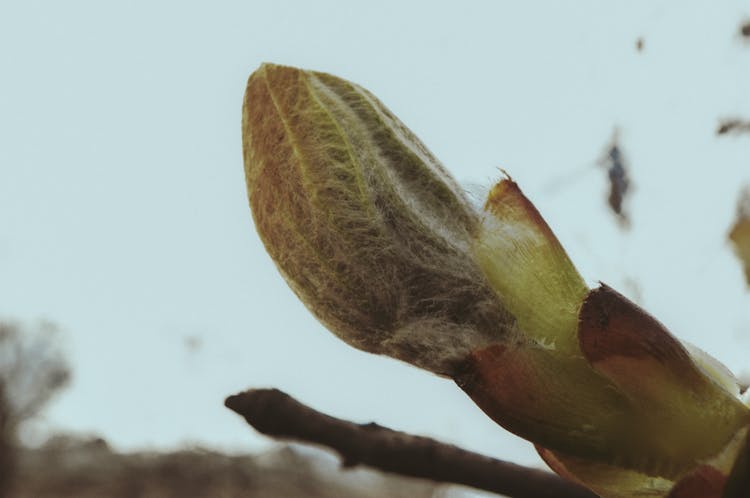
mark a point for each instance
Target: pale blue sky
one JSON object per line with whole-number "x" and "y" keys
{"x": 123, "y": 214}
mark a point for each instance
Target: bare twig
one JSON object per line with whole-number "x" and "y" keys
{"x": 276, "y": 414}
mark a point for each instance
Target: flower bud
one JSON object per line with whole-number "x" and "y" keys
{"x": 366, "y": 226}
{"x": 381, "y": 244}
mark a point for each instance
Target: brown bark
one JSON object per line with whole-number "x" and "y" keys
{"x": 276, "y": 414}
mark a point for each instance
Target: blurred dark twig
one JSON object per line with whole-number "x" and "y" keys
{"x": 276, "y": 414}
{"x": 619, "y": 180}
{"x": 733, "y": 125}
{"x": 7, "y": 451}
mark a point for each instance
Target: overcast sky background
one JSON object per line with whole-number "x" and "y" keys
{"x": 124, "y": 217}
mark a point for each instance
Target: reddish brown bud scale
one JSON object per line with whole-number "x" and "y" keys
{"x": 657, "y": 373}
{"x": 611, "y": 326}
{"x": 703, "y": 481}
{"x": 527, "y": 390}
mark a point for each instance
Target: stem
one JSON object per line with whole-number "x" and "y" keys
{"x": 278, "y": 415}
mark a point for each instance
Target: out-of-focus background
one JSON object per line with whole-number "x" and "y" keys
{"x": 124, "y": 219}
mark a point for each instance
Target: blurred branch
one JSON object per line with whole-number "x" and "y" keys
{"x": 32, "y": 370}
{"x": 276, "y": 414}
{"x": 7, "y": 452}
{"x": 619, "y": 179}
{"x": 727, "y": 126}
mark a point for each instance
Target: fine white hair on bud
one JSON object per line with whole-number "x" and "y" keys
{"x": 367, "y": 227}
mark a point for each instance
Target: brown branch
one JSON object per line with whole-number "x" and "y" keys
{"x": 276, "y": 414}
